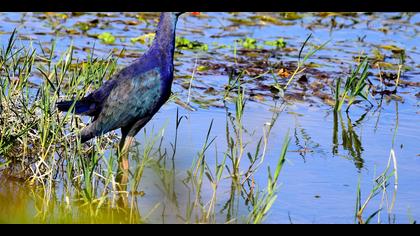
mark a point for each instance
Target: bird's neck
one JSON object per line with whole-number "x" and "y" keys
{"x": 164, "y": 42}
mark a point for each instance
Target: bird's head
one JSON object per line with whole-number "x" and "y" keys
{"x": 192, "y": 13}
{"x": 178, "y": 13}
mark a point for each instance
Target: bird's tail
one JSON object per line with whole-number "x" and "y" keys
{"x": 80, "y": 107}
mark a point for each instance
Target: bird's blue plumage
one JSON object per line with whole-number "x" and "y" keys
{"x": 131, "y": 97}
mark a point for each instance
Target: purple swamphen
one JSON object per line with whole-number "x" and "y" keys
{"x": 131, "y": 97}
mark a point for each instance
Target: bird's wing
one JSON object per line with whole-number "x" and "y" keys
{"x": 100, "y": 95}
{"x": 129, "y": 101}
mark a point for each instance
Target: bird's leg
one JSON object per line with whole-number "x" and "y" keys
{"x": 128, "y": 134}
{"x": 123, "y": 167}
{"x": 124, "y": 154}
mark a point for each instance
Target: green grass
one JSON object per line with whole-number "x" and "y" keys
{"x": 301, "y": 62}
{"x": 70, "y": 182}
{"x": 381, "y": 184}
{"x": 264, "y": 201}
{"x": 356, "y": 86}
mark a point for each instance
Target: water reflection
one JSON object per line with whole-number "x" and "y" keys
{"x": 351, "y": 141}
{"x": 45, "y": 204}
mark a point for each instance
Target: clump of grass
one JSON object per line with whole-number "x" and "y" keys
{"x": 355, "y": 87}
{"x": 262, "y": 203}
{"x": 40, "y": 144}
{"x": 382, "y": 182}
{"x": 243, "y": 181}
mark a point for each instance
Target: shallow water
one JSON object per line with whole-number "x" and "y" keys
{"x": 318, "y": 182}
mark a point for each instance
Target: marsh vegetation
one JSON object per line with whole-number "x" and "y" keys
{"x": 274, "y": 118}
